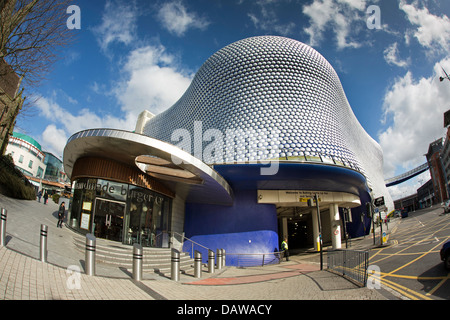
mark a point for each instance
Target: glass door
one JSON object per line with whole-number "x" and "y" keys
{"x": 108, "y": 219}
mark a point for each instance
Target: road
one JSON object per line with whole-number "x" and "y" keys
{"x": 410, "y": 266}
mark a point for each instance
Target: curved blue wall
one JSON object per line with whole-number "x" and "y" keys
{"x": 250, "y": 227}
{"x": 244, "y": 227}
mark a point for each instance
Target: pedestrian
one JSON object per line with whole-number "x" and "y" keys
{"x": 61, "y": 214}
{"x": 39, "y": 195}
{"x": 284, "y": 247}
{"x": 45, "y": 197}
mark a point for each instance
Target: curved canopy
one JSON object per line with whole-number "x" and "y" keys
{"x": 183, "y": 173}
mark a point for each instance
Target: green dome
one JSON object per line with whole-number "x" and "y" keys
{"x": 26, "y": 138}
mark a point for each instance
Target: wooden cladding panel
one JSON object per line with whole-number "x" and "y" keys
{"x": 115, "y": 171}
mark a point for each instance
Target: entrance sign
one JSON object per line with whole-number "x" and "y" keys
{"x": 300, "y": 197}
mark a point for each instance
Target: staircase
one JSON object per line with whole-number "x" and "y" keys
{"x": 156, "y": 260}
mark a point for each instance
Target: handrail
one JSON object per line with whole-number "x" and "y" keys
{"x": 243, "y": 259}
{"x": 192, "y": 242}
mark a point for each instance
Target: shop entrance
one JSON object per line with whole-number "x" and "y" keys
{"x": 108, "y": 219}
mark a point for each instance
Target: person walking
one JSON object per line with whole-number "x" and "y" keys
{"x": 39, "y": 195}
{"x": 61, "y": 214}
{"x": 284, "y": 247}
{"x": 45, "y": 197}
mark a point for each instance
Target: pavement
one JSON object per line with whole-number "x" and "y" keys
{"x": 24, "y": 277}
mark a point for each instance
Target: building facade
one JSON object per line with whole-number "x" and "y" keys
{"x": 437, "y": 173}
{"x": 27, "y": 155}
{"x": 264, "y": 127}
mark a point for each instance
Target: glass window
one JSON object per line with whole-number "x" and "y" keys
{"x": 82, "y": 205}
{"x": 21, "y": 159}
{"x": 112, "y": 190}
{"x": 146, "y": 213}
{"x": 145, "y": 224}
{"x": 30, "y": 164}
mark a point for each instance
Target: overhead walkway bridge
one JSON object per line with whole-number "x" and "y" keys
{"x": 406, "y": 176}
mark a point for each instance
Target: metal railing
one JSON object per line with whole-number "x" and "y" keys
{"x": 349, "y": 263}
{"x": 188, "y": 245}
{"x": 236, "y": 259}
{"x": 242, "y": 260}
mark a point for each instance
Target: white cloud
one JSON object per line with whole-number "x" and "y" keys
{"x": 340, "y": 16}
{"x": 54, "y": 140}
{"x": 118, "y": 24}
{"x": 432, "y": 31}
{"x": 391, "y": 56}
{"x": 415, "y": 111}
{"x": 177, "y": 20}
{"x": 64, "y": 123}
{"x": 267, "y": 20}
{"x": 153, "y": 81}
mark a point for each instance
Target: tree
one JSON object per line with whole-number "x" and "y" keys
{"x": 31, "y": 34}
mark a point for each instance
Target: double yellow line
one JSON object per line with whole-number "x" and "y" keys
{"x": 402, "y": 289}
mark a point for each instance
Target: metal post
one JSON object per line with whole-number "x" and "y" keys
{"x": 3, "y": 228}
{"x": 381, "y": 228}
{"x": 175, "y": 265}
{"x": 90, "y": 254}
{"x": 43, "y": 243}
{"x": 320, "y": 231}
{"x": 211, "y": 261}
{"x": 197, "y": 264}
{"x": 223, "y": 258}
{"x": 219, "y": 259}
{"x": 137, "y": 262}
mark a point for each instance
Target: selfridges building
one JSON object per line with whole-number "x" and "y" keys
{"x": 264, "y": 126}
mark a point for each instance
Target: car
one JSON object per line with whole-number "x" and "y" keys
{"x": 445, "y": 254}
{"x": 404, "y": 213}
{"x": 447, "y": 206}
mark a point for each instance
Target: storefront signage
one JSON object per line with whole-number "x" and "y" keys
{"x": 119, "y": 189}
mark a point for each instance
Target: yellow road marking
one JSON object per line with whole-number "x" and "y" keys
{"x": 438, "y": 285}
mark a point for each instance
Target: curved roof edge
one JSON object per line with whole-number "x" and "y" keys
{"x": 125, "y": 146}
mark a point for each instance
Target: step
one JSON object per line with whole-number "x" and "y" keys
{"x": 157, "y": 260}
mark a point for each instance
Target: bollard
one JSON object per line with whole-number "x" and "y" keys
{"x": 223, "y": 258}
{"x": 219, "y": 259}
{"x": 197, "y": 264}
{"x": 175, "y": 265}
{"x": 3, "y": 228}
{"x": 210, "y": 261}
{"x": 137, "y": 262}
{"x": 43, "y": 243}
{"x": 90, "y": 255}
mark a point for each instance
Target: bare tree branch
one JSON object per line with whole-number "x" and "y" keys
{"x": 32, "y": 34}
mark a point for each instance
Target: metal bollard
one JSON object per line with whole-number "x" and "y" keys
{"x": 211, "y": 261}
{"x": 90, "y": 255}
{"x": 43, "y": 243}
{"x": 197, "y": 264}
{"x": 223, "y": 258}
{"x": 175, "y": 265}
{"x": 3, "y": 228}
{"x": 219, "y": 259}
{"x": 137, "y": 262}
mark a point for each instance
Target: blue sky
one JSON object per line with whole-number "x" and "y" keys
{"x": 136, "y": 55}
